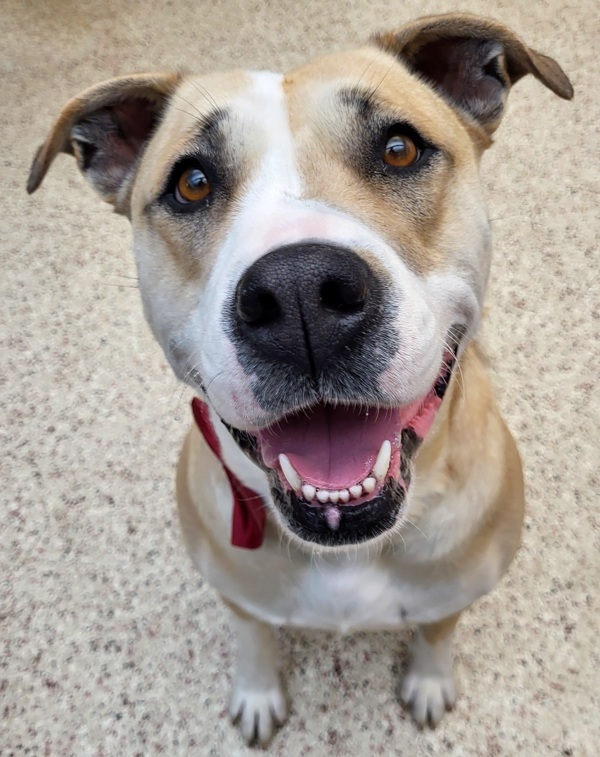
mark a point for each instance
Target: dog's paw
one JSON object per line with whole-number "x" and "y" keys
{"x": 258, "y": 714}
{"x": 428, "y": 696}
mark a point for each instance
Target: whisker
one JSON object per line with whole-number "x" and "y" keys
{"x": 125, "y": 276}
{"x": 213, "y": 379}
{"x": 374, "y": 92}
{"x": 364, "y": 73}
{"x": 121, "y": 286}
{"x": 187, "y": 102}
{"x": 182, "y": 110}
{"x": 176, "y": 415}
{"x": 205, "y": 93}
{"x": 414, "y": 525}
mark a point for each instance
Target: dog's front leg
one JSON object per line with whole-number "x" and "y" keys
{"x": 428, "y": 689}
{"x": 258, "y": 704}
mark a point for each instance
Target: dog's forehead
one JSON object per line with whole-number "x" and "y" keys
{"x": 316, "y": 91}
{"x": 288, "y": 144}
{"x": 258, "y": 107}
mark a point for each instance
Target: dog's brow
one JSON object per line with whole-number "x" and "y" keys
{"x": 359, "y": 99}
{"x": 209, "y": 123}
{"x": 206, "y": 140}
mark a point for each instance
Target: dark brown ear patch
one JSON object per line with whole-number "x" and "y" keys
{"x": 106, "y": 128}
{"x": 470, "y": 72}
{"x": 472, "y": 62}
{"x": 108, "y": 142}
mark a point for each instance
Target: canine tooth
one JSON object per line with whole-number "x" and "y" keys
{"x": 356, "y": 491}
{"x": 289, "y": 472}
{"x": 334, "y": 497}
{"x": 382, "y": 463}
{"x": 344, "y": 495}
{"x": 323, "y": 496}
{"x": 369, "y": 485}
{"x": 308, "y": 492}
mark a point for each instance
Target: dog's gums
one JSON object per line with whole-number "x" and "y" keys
{"x": 340, "y": 474}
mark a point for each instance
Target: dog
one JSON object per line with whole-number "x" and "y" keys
{"x": 313, "y": 251}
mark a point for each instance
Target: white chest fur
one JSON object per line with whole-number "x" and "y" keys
{"x": 346, "y": 593}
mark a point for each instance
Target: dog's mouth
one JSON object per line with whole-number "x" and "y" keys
{"x": 339, "y": 474}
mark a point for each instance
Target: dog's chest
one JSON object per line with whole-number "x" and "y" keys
{"x": 349, "y": 596}
{"x": 346, "y": 598}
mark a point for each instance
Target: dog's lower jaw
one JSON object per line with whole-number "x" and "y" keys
{"x": 370, "y": 523}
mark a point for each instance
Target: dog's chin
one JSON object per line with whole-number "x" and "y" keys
{"x": 340, "y": 474}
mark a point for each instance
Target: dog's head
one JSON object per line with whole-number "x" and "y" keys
{"x": 313, "y": 248}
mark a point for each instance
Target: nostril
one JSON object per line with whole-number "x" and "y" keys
{"x": 346, "y": 297}
{"x": 258, "y": 307}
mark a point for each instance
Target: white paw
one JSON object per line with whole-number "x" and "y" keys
{"x": 428, "y": 696}
{"x": 258, "y": 713}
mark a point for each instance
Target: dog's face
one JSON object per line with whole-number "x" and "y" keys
{"x": 313, "y": 248}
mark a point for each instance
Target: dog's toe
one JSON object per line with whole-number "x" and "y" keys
{"x": 258, "y": 713}
{"x": 428, "y": 697}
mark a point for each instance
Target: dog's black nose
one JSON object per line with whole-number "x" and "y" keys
{"x": 304, "y": 303}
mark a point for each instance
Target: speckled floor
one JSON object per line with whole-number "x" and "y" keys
{"x": 111, "y": 642}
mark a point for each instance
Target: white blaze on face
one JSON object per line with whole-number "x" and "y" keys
{"x": 271, "y": 212}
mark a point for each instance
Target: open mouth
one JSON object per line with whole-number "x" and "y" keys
{"x": 340, "y": 473}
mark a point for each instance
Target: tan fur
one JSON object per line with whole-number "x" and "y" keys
{"x": 519, "y": 58}
{"x": 154, "y": 87}
{"x": 415, "y": 225}
{"x": 435, "y": 632}
{"x": 469, "y": 439}
{"x": 465, "y": 504}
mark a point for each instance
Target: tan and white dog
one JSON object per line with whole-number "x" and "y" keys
{"x": 313, "y": 251}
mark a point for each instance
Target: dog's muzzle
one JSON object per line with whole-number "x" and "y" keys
{"x": 307, "y": 320}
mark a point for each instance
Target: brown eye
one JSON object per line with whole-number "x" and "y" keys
{"x": 401, "y": 151}
{"x": 192, "y": 186}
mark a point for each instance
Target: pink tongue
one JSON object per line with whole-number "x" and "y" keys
{"x": 331, "y": 447}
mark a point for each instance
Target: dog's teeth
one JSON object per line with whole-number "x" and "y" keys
{"x": 382, "y": 463}
{"x": 289, "y": 472}
{"x": 356, "y": 491}
{"x": 369, "y": 485}
{"x": 323, "y": 496}
{"x": 344, "y": 495}
{"x": 334, "y": 497}
{"x": 308, "y": 492}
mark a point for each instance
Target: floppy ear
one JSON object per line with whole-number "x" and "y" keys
{"x": 472, "y": 62}
{"x": 106, "y": 128}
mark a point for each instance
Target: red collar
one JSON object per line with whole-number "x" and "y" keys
{"x": 249, "y": 514}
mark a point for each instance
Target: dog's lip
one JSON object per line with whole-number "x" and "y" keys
{"x": 332, "y": 526}
{"x": 336, "y": 456}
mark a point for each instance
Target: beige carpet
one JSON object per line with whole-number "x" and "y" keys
{"x": 111, "y": 642}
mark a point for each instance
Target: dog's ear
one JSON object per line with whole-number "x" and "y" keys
{"x": 472, "y": 62}
{"x": 106, "y": 128}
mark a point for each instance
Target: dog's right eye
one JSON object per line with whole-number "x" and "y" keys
{"x": 401, "y": 151}
{"x": 192, "y": 186}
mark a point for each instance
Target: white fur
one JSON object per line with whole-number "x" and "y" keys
{"x": 273, "y": 212}
{"x": 363, "y": 588}
{"x": 428, "y": 686}
{"x": 257, "y": 698}
{"x": 386, "y": 583}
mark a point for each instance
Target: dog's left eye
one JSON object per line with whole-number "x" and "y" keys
{"x": 192, "y": 186}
